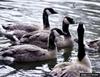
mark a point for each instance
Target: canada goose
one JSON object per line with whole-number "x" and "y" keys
{"x": 30, "y": 28}
{"x": 39, "y": 38}
{"x": 95, "y": 44}
{"x": 81, "y": 65}
{"x": 20, "y": 29}
{"x": 28, "y": 53}
{"x": 12, "y": 35}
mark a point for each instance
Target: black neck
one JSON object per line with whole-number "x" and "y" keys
{"x": 81, "y": 49}
{"x": 45, "y": 20}
{"x": 65, "y": 29}
{"x": 51, "y": 41}
{"x": 58, "y": 30}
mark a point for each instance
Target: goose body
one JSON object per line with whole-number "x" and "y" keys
{"x": 39, "y": 38}
{"x": 28, "y": 53}
{"x": 20, "y": 29}
{"x": 81, "y": 65}
{"x": 21, "y": 26}
{"x": 12, "y": 35}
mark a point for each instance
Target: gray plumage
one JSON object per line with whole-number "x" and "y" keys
{"x": 21, "y": 26}
{"x": 95, "y": 44}
{"x": 81, "y": 65}
{"x": 29, "y": 53}
{"x": 20, "y": 29}
{"x": 39, "y": 38}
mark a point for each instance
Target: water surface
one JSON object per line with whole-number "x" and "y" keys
{"x": 30, "y": 11}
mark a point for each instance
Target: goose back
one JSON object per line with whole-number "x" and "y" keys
{"x": 39, "y": 38}
{"x": 21, "y": 26}
{"x": 28, "y": 53}
{"x": 20, "y": 29}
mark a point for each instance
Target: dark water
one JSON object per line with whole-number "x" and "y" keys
{"x": 30, "y": 11}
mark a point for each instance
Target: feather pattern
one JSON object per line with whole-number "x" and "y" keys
{"x": 39, "y": 38}
{"x": 81, "y": 65}
{"x": 28, "y": 53}
{"x": 19, "y": 29}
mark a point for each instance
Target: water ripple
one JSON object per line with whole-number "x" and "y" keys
{"x": 29, "y": 11}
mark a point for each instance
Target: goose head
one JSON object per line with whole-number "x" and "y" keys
{"x": 95, "y": 44}
{"x": 49, "y": 11}
{"x": 51, "y": 40}
{"x": 68, "y": 20}
{"x": 52, "y": 37}
{"x": 65, "y": 25}
{"x": 46, "y": 13}
{"x": 62, "y": 40}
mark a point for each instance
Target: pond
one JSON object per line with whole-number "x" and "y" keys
{"x": 30, "y": 11}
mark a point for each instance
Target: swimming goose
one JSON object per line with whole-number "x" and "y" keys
{"x": 12, "y": 35}
{"x": 30, "y": 28}
{"x": 28, "y": 53}
{"x": 39, "y": 38}
{"x": 20, "y": 29}
{"x": 95, "y": 44}
{"x": 81, "y": 65}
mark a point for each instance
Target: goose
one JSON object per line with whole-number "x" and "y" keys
{"x": 30, "y": 28}
{"x": 81, "y": 65}
{"x": 19, "y": 30}
{"x": 29, "y": 53}
{"x": 39, "y": 38}
{"x": 95, "y": 44}
{"x": 12, "y": 35}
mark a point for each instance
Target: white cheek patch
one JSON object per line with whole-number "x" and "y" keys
{"x": 16, "y": 39}
{"x": 84, "y": 27}
{"x": 66, "y": 21}
{"x": 48, "y": 12}
{"x": 62, "y": 38}
{"x": 56, "y": 33}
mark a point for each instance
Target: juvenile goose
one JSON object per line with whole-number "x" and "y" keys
{"x": 39, "y": 38}
{"x": 81, "y": 65}
{"x": 19, "y": 30}
{"x": 28, "y": 53}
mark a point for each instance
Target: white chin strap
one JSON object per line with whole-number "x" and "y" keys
{"x": 66, "y": 21}
{"x": 48, "y": 12}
